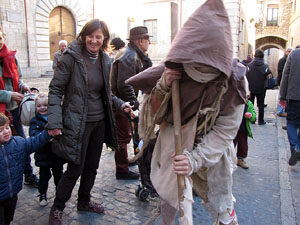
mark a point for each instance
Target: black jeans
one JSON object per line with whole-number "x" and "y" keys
{"x": 7, "y": 210}
{"x": 45, "y": 176}
{"x": 260, "y": 98}
{"x": 91, "y": 149}
{"x": 20, "y": 132}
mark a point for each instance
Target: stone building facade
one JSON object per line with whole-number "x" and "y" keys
{"x": 34, "y": 27}
{"x": 29, "y": 26}
{"x": 294, "y": 27}
{"x": 272, "y": 27}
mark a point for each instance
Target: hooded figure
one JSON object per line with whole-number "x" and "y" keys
{"x": 212, "y": 98}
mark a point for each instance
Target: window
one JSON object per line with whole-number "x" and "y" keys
{"x": 242, "y": 30}
{"x": 272, "y": 15}
{"x": 152, "y": 29}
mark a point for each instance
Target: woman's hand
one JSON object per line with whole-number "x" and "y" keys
{"x": 126, "y": 107}
{"x": 171, "y": 75}
{"x": 16, "y": 96}
{"x": 54, "y": 132}
{"x": 181, "y": 164}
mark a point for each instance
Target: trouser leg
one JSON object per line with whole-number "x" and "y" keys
{"x": 260, "y": 105}
{"x": 92, "y": 160}
{"x": 71, "y": 175}
{"x": 123, "y": 134}
{"x": 45, "y": 175}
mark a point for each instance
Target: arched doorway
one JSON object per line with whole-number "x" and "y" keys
{"x": 61, "y": 27}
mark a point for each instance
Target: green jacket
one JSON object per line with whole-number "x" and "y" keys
{"x": 68, "y": 104}
{"x": 250, "y": 109}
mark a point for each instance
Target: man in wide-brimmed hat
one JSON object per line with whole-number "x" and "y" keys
{"x": 128, "y": 63}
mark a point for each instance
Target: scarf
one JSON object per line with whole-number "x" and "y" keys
{"x": 146, "y": 61}
{"x": 9, "y": 70}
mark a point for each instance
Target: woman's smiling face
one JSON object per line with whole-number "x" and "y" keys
{"x": 94, "y": 41}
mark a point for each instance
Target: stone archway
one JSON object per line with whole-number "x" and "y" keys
{"x": 61, "y": 27}
{"x": 270, "y": 42}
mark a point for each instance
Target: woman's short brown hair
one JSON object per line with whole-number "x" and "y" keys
{"x": 90, "y": 27}
{"x": 3, "y": 120}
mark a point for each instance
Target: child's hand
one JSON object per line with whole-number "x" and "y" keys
{"x": 248, "y": 115}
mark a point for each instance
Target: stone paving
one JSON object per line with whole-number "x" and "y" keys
{"x": 267, "y": 193}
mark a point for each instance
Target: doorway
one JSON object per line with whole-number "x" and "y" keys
{"x": 61, "y": 27}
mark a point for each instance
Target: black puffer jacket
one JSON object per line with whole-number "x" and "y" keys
{"x": 127, "y": 64}
{"x": 69, "y": 113}
{"x": 257, "y": 76}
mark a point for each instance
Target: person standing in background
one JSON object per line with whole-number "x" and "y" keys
{"x": 257, "y": 74}
{"x": 290, "y": 98}
{"x": 280, "y": 111}
{"x": 127, "y": 64}
{"x": 58, "y": 55}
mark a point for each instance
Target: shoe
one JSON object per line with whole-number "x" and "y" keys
{"x": 242, "y": 163}
{"x": 130, "y": 175}
{"x": 265, "y": 105}
{"x": 31, "y": 179}
{"x": 261, "y": 122}
{"x": 232, "y": 217}
{"x": 282, "y": 114}
{"x": 284, "y": 127}
{"x": 294, "y": 157}
{"x": 90, "y": 207}
{"x": 55, "y": 216}
{"x": 43, "y": 200}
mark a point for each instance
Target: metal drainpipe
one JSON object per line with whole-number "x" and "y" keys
{"x": 27, "y": 39}
{"x": 93, "y": 9}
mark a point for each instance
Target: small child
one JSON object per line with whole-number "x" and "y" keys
{"x": 44, "y": 158}
{"x": 241, "y": 139}
{"x": 13, "y": 152}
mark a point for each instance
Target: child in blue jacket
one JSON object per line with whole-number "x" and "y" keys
{"x": 44, "y": 158}
{"x": 13, "y": 152}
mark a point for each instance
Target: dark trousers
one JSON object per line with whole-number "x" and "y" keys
{"x": 91, "y": 149}
{"x": 260, "y": 101}
{"x": 241, "y": 140}
{"x": 20, "y": 132}
{"x": 7, "y": 210}
{"x": 45, "y": 176}
{"x": 124, "y": 137}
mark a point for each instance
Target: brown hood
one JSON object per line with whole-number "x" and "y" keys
{"x": 205, "y": 38}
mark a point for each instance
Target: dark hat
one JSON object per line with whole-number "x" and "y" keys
{"x": 138, "y": 32}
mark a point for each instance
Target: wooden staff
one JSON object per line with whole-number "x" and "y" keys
{"x": 177, "y": 138}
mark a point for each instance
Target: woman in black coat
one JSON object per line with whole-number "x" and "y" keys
{"x": 80, "y": 115}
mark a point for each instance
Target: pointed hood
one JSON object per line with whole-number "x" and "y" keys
{"x": 205, "y": 38}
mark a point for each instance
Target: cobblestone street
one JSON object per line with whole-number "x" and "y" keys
{"x": 267, "y": 193}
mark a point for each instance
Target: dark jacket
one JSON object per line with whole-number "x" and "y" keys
{"x": 43, "y": 156}
{"x": 289, "y": 88}
{"x": 127, "y": 64}
{"x": 69, "y": 113}
{"x": 280, "y": 67}
{"x": 257, "y": 76}
{"x": 12, "y": 162}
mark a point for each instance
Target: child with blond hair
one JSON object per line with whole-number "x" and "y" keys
{"x": 44, "y": 158}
